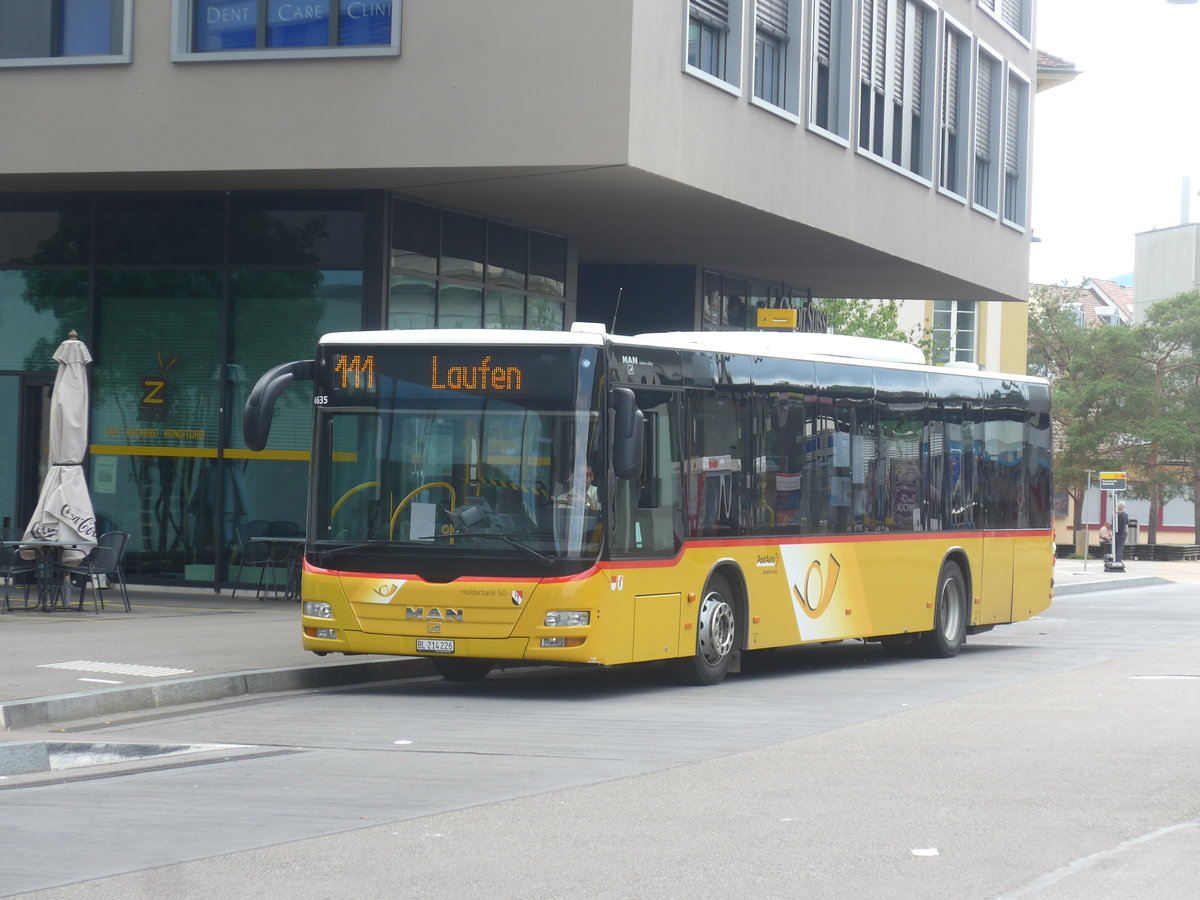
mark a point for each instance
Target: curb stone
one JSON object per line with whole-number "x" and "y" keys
{"x": 83, "y": 705}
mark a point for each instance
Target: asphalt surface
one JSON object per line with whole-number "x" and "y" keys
{"x": 182, "y": 646}
{"x": 1093, "y": 794}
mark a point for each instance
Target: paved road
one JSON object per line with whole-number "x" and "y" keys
{"x": 1054, "y": 758}
{"x": 183, "y": 645}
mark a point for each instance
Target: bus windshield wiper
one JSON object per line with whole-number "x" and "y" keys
{"x": 325, "y": 556}
{"x": 508, "y": 539}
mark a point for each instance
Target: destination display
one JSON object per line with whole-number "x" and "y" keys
{"x": 386, "y": 374}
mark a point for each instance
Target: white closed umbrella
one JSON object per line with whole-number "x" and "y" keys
{"x": 64, "y": 509}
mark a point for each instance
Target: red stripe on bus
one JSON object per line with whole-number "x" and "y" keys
{"x": 698, "y": 543}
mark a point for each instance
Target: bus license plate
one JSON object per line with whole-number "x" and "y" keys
{"x": 424, "y": 646}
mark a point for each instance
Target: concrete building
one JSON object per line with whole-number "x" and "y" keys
{"x": 987, "y": 333}
{"x": 202, "y": 187}
{"x": 1166, "y": 262}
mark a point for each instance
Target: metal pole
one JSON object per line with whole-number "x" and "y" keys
{"x": 1087, "y": 532}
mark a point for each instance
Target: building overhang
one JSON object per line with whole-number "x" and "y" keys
{"x": 616, "y": 214}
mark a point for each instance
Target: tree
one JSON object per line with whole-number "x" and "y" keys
{"x": 870, "y": 318}
{"x": 1083, "y": 373}
{"x": 1124, "y": 397}
{"x": 1159, "y": 407}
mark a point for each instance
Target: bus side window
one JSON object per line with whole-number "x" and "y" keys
{"x": 647, "y": 517}
{"x": 714, "y": 468}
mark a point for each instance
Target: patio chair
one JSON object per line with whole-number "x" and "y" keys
{"x": 118, "y": 541}
{"x": 257, "y": 555}
{"x": 13, "y": 567}
{"x": 101, "y": 569}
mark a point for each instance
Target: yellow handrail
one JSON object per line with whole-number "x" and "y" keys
{"x": 346, "y": 496}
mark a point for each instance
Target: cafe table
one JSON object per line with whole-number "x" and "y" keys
{"x": 289, "y": 551}
{"x": 51, "y": 575}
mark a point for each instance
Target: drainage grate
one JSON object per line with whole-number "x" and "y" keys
{"x": 87, "y": 665}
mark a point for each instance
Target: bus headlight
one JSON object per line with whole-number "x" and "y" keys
{"x": 318, "y": 610}
{"x": 567, "y": 618}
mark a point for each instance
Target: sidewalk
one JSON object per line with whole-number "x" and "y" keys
{"x": 183, "y": 645}
{"x": 1077, "y": 576}
{"x": 179, "y": 645}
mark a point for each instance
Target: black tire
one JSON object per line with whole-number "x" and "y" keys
{"x": 716, "y": 634}
{"x": 951, "y": 610}
{"x": 460, "y": 669}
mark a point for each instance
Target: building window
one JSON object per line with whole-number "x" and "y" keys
{"x": 1013, "y": 13}
{"x": 956, "y": 66}
{"x": 776, "y": 75}
{"x": 454, "y": 270}
{"x": 831, "y": 72}
{"x": 913, "y": 101}
{"x": 714, "y": 40}
{"x": 987, "y": 131}
{"x": 894, "y": 82}
{"x": 954, "y": 331}
{"x": 269, "y": 29}
{"x": 1016, "y": 144}
{"x": 872, "y": 74}
{"x": 65, "y": 32}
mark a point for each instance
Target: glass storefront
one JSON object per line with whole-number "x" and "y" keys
{"x": 156, "y": 418}
{"x": 10, "y": 450}
{"x": 453, "y": 270}
{"x": 186, "y": 299}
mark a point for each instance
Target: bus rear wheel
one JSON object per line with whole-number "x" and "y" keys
{"x": 459, "y": 669}
{"x": 716, "y": 634}
{"x": 949, "y": 615}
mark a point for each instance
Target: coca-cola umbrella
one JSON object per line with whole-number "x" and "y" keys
{"x": 64, "y": 509}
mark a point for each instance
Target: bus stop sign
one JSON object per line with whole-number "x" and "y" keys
{"x": 1112, "y": 481}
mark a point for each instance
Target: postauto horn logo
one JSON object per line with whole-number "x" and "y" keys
{"x": 816, "y": 592}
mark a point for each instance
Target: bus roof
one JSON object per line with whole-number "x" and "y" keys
{"x": 481, "y": 336}
{"x": 781, "y": 345}
{"x": 789, "y": 344}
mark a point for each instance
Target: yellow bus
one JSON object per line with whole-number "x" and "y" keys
{"x": 584, "y": 498}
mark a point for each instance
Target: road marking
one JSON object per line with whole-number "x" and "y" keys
{"x": 102, "y": 680}
{"x": 87, "y": 665}
{"x": 1073, "y": 868}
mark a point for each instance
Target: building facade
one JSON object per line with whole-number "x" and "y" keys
{"x": 1166, "y": 262}
{"x": 202, "y": 187}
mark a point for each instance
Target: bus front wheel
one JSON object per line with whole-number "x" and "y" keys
{"x": 949, "y": 614}
{"x": 716, "y": 634}
{"x": 459, "y": 669}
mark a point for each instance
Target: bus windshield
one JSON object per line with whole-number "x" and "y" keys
{"x": 428, "y": 456}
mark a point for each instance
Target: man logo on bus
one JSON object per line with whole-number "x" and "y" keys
{"x": 818, "y": 587}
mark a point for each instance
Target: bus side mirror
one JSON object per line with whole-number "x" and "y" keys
{"x": 628, "y": 426}
{"x": 260, "y": 405}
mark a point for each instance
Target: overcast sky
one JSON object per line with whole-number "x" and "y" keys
{"x": 1112, "y": 147}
